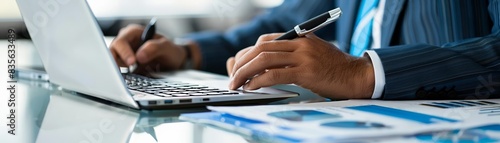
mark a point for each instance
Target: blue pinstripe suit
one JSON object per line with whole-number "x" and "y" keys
{"x": 431, "y": 49}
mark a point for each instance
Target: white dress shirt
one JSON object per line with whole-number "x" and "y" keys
{"x": 378, "y": 68}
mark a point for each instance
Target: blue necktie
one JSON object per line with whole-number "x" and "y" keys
{"x": 364, "y": 22}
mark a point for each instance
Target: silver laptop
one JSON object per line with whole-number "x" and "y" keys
{"x": 74, "y": 54}
{"x": 95, "y": 122}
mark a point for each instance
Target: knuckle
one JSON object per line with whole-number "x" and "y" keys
{"x": 148, "y": 45}
{"x": 265, "y": 37}
{"x": 274, "y": 76}
{"x": 113, "y": 44}
{"x": 260, "y": 46}
{"x": 116, "y": 43}
{"x": 230, "y": 60}
{"x": 131, "y": 28}
{"x": 245, "y": 50}
{"x": 123, "y": 30}
{"x": 236, "y": 68}
{"x": 264, "y": 56}
{"x": 263, "y": 46}
{"x": 260, "y": 59}
{"x": 306, "y": 57}
{"x": 135, "y": 27}
{"x": 121, "y": 50}
{"x": 151, "y": 45}
{"x": 242, "y": 52}
{"x": 262, "y": 37}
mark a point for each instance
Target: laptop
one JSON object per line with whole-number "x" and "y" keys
{"x": 75, "y": 56}
{"x": 90, "y": 121}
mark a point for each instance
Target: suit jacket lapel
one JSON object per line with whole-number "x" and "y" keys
{"x": 392, "y": 12}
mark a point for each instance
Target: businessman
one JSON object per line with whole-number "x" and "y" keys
{"x": 385, "y": 49}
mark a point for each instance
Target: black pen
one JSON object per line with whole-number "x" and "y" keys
{"x": 312, "y": 25}
{"x": 149, "y": 31}
{"x": 147, "y": 34}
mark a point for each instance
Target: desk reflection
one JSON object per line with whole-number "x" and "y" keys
{"x": 64, "y": 116}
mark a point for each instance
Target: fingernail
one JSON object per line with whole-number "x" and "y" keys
{"x": 246, "y": 87}
{"x": 231, "y": 86}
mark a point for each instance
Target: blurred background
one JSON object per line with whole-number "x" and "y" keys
{"x": 175, "y": 17}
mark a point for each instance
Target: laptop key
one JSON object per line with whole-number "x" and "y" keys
{"x": 158, "y": 86}
{"x": 175, "y": 85}
{"x": 170, "y": 93}
{"x": 214, "y": 93}
{"x": 229, "y": 93}
{"x": 188, "y": 92}
{"x": 163, "y": 91}
{"x": 133, "y": 87}
{"x": 210, "y": 88}
{"x": 198, "y": 86}
{"x": 180, "y": 95}
{"x": 164, "y": 95}
{"x": 169, "y": 88}
{"x": 203, "y": 91}
{"x": 178, "y": 90}
{"x": 184, "y": 87}
{"x": 198, "y": 94}
{"x": 150, "y": 92}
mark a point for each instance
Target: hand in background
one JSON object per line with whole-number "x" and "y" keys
{"x": 309, "y": 62}
{"x": 154, "y": 55}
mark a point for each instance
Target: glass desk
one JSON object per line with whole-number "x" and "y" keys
{"x": 48, "y": 114}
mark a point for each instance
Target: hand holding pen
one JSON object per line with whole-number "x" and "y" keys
{"x": 141, "y": 50}
{"x": 147, "y": 34}
{"x": 308, "y": 61}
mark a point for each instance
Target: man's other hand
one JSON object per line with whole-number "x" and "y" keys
{"x": 309, "y": 62}
{"x": 154, "y": 55}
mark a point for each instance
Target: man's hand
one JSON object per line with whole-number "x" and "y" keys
{"x": 156, "y": 54}
{"x": 309, "y": 62}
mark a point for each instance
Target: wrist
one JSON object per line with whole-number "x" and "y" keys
{"x": 367, "y": 78}
{"x": 192, "y": 54}
{"x": 195, "y": 54}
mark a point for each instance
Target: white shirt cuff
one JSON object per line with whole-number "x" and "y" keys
{"x": 378, "y": 70}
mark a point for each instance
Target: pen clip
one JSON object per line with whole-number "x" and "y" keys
{"x": 334, "y": 15}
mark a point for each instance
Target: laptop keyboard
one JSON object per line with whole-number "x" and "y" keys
{"x": 171, "y": 89}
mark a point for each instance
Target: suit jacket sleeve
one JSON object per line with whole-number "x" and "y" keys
{"x": 468, "y": 69}
{"x": 217, "y": 47}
